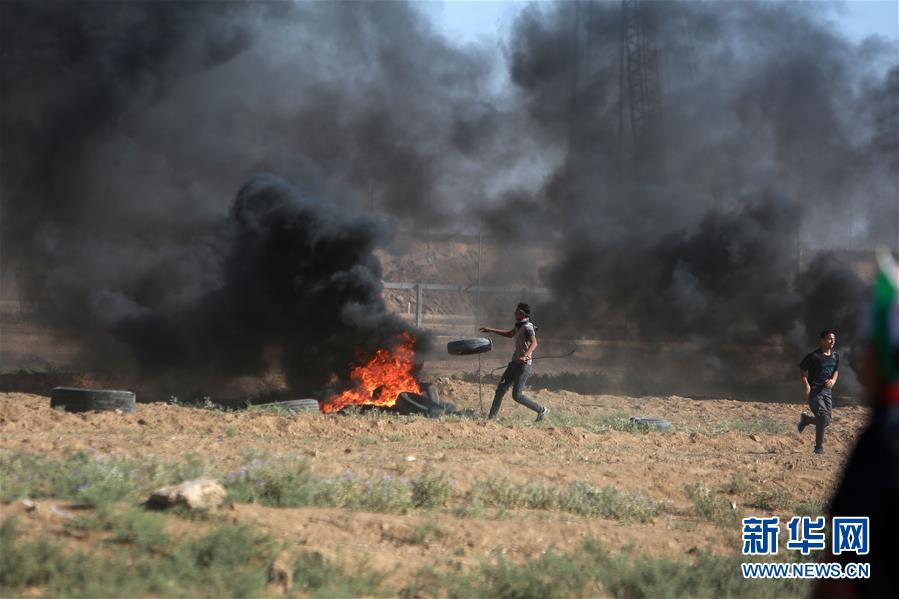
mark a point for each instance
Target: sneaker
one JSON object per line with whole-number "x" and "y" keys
{"x": 803, "y": 422}
{"x": 542, "y": 414}
{"x": 819, "y": 450}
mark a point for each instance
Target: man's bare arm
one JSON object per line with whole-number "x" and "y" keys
{"x": 832, "y": 380}
{"x": 807, "y": 388}
{"x": 498, "y": 331}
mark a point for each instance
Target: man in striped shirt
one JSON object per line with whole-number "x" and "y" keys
{"x": 520, "y": 368}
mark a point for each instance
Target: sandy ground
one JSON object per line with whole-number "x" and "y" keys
{"x": 560, "y": 451}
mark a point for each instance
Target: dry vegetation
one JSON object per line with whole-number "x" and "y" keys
{"x": 373, "y": 504}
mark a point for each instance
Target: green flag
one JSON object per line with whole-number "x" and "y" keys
{"x": 885, "y": 317}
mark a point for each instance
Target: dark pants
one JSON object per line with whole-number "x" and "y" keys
{"x": 515, "y": 376}
{"x": 821, "y": 403}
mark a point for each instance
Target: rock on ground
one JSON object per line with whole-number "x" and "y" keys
{"x": 201, "y": 494}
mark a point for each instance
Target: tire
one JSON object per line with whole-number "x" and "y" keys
{"x": 411, "y": 403}
{"x": 436, "y": 407}
{"x": 294, "y": 405}
{"x": 659, "y": 424}
{"x": 467, "y": 347}
{"x": 431, "y": 392}
{"x": 72, "y": 399}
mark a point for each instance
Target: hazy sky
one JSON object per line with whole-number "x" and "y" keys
{"x": 489, "y": 20}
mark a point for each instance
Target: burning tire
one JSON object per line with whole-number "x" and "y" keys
{"x": 436, "y": 407}
{"x": 466, "y": 347}
{"x": 427, "y": 403}
{"x": 294, "y": 405}
{"x": 411, "y": 403}
{"x": 652, "y": 423}
{"x": 431, "y": 392}
{"x": 72, "y": 399}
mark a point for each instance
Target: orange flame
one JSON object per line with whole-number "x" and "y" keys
{"x": 389, "y": 370}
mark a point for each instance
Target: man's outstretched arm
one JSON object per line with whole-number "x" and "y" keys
{"x": 498, "y": 331}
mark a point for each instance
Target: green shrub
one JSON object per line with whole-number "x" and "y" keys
{"x": 89, "y": 477}
{"x": 315, "y": 576}
{"x": 145, "y": 530}
{"x": 230, "y": 561}
{"x": 757, "y": 425}
{"x": 737, "y": 484}
{"x": 709, "y": 506}
{"x": 811, "y": 508}
{"x": 425, "y": 532}
{"x": 777, "y": 498}
{"x": 499, "y": 493}
{"x": 431, "y": 489}
{"x": 588, "y": 500}
{"x": 589, "y": 571}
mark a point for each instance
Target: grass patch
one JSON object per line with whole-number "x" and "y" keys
{"x": 228, "y": 561}
{"x": 812, "y": 508}
{"x": 580, "y": 498}
{"x": 618, "y": 421}
{"x": 777, "y": 498}
{"x": 140, "y": 528}
{"x": 589, "y": 571}
{"x": 431, "y": 489}
{"x": 708, "y": 505}
{"x": 425, "y": 533}
{"x": 234, "y": 561}
{"x": 289, "y": 482}
{"x": 754, "y": 426}
{"x": 587, "y": 500}
{"x": 316, "y": 576}
{"x": 737, "y": 485}
{"x": 89, "y": 477}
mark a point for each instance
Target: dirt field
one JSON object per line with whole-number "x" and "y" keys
{"x": 715, "y": 442}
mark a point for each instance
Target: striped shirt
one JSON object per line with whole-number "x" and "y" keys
{"x": 524, "y": 333}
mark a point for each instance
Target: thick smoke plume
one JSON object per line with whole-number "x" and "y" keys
{"x": 774, "y": 134}
{"x": 127, "y": 127}
{"x": 133, "y": 124}
{"x": 296, "y": 274}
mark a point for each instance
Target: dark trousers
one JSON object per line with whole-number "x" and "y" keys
{"x": 515, "y": 376}
{"x": 820, "y": 401}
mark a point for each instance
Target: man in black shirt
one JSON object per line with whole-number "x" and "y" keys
{"x": 819, "y": 371}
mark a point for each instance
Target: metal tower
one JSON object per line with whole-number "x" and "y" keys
{"x": 639, "y": 76}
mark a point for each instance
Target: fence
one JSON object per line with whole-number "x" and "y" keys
{"x": 420, "y": 289}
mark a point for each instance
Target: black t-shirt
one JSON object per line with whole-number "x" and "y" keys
{"x": 819, "y": 367}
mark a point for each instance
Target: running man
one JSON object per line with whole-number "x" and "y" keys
{"x": 819, "y": 371}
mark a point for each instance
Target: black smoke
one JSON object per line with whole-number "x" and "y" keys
{"x": 295, "y": 274}
{"x": 134, "y": 123}
{"x": 774, "y": 139}
{"x": 127, "y": 127}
